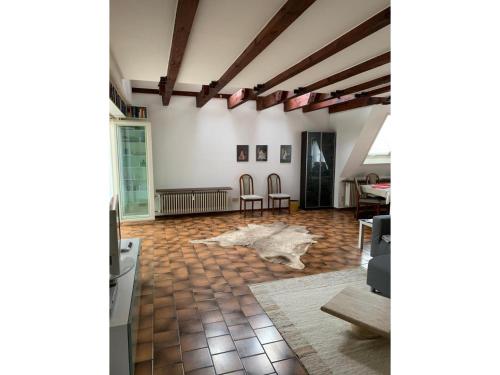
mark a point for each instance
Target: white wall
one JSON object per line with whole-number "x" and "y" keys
{"x": 196, "y": 147}
{"x": 356, "y": 130}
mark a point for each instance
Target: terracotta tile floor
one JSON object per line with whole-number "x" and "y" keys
{"x": 198, "y": 315}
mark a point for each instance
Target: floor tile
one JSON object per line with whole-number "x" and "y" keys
{"x": 161, "y": 325}
{"x": 144, "y": 368}
{"x": 145, "y": 335}
{"x": 249, "y": 347}
{"x": 164, "y": 312}
{"x": 196, "y": 359}
{"x": 278, "y": 351}
{"x": 167, "y": 356}
{"x": 163, "y": 302}
{"x": 203, "y": 295}
{"x": 220, "y": 344}
{"x": 216, "y": 329}
{"x": 253, "y": 309}
{"x": 260, "y": 321}
{"x": 175, "y": 369}
{"x": 202, "y": 371}
{"x": 227, "y": 362}
{"x": 229, "y": 305}
{"x": 241, "y": 331}
{"x": 235, "y": 318}
{"x": 193, "y": 341}
{"x": 144, "y": 352}
{"x": 257, "y": 365}
{"x": 268, "y": 334}
{"x": 190, "y": 326}
{"x": 208, "y": 305}
{"x": 166, "y": 339}
{"x": 289, "y": 367}
{"x": 187, "y": 314}
{"x": 211, "y": 316}
{"x": 247, "y": 300}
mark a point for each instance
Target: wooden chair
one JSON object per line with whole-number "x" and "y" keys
{"x": 274, "y": 192}
{"x": 362, "y": 200}
{"x": 372, "y": 178}
{"x": 247, "y": 194}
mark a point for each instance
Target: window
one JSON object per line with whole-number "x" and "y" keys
{"x": 380, "y": 152}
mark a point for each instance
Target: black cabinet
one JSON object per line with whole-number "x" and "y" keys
{"x": 317, "y": 170}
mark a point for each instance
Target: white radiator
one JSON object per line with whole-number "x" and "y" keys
{"x": 187, "y": 201}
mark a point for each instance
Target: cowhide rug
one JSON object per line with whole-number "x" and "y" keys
{"x": 277, "y": 242}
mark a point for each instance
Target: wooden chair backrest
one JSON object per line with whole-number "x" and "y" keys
{"x": 372, "y": 178}
{"x": 246, "y": 184}
{"x": 273, "y": 184}
{"x": 359, "y": 193}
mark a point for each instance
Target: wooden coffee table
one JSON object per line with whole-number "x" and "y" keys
{"x": 369, "y": 313}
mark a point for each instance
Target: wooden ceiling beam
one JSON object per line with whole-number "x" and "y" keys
{"x": 303, "y": 100}
{"x": 334, "y": 98}
{"x": 357, "y": 103}
{"x": 280, "y": 21}
{"x": 184, "y": 17}
{"x": 239, "y": 97}
{"x": 372, "y": 63}
{"x": 273, "y": 99}
{"x": 375, "y": 23}
{"x": 140, "y": 90}
{"x": 380, "y": 90}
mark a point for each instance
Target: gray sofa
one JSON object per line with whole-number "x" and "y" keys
{"x": 379, "y": 267}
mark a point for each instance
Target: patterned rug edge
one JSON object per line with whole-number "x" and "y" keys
{"x": 305, "y": 352}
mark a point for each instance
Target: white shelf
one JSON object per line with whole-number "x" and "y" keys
{"x": 114, "y": 110}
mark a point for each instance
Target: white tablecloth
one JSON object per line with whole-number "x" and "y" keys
{"x": 384, "y": 193}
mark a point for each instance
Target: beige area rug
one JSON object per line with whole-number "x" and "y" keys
{"x": 324, "y": 343}
{"x": 277, "y": 242}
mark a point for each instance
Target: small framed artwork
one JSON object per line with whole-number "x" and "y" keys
{"x": 242, "y": 153}
{"x": 286, "y": 154}
{"x": 261, "y": 153}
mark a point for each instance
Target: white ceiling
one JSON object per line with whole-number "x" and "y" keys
{"x": 141, "y": 33}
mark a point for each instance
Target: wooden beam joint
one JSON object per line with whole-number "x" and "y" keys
{"x": 239, "y": 97}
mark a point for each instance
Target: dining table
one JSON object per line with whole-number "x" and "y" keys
{"x": 380, "y": 190}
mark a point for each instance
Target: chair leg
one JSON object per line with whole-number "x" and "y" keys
{"x": 261, "y": 208}
{"x": 252, "y": 208}
{"x": 240, "y": 205}
{"x": 272, "y": 210}
{"x": 289, "y": 205}
{"x": 279, "y": 205}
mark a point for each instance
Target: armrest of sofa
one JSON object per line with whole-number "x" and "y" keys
{"x": 381, "y": 227}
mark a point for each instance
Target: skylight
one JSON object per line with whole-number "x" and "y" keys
{"x": 380, "y": 152}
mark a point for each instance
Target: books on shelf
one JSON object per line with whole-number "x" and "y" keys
{"x": 137, "y": 112}
{"x": 129, "y": 111}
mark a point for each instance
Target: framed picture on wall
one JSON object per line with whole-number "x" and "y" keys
{"x": 242, "y": 153}
{"x": 286, "y": 154}
{"x": 261, "y": 153}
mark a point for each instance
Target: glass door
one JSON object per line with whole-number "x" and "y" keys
{"x": 314, "y": 158}
{"x": 133, "y": 171}
{"x": 327, "y": 169}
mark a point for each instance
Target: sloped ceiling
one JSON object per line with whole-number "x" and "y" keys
{"x": 141, "y": 33}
